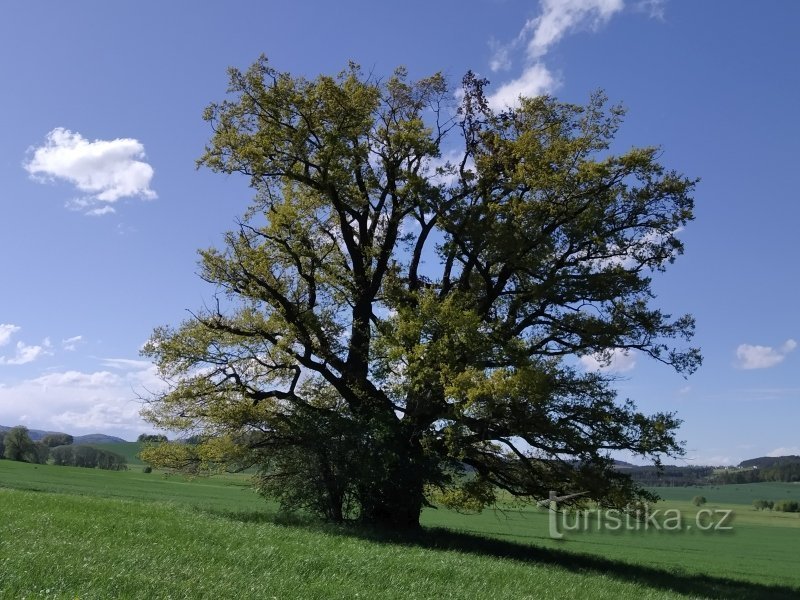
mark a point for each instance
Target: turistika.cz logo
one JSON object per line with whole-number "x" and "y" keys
{"x": 642, "y": 518}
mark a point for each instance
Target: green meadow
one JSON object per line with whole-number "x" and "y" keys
{"x": 82, "y": 533}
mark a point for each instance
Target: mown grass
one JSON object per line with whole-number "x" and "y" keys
{"x": 95, "y": 534}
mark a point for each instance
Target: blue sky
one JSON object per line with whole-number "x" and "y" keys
{"x": 102, "y": 210}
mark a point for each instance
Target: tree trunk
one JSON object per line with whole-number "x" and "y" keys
{"x": 391, "y": 493}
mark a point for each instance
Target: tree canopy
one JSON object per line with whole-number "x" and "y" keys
{"x": 51, "y": 440}
{"x": 17, "y": 445}
{"x": 402, "y": 308}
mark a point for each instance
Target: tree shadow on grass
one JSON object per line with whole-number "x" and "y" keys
{"x": 703, "y": 586}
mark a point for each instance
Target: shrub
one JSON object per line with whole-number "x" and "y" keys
{"x": 699, "y": 500}
{"x": 792, "y": 506}
{"x": 147, "y": 469}
{"x": 763, "y": 504}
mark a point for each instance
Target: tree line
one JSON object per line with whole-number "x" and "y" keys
{"x": 783, "y": 472}
{"x": 16, "y": 444}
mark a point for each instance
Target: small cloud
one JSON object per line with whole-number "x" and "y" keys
{"x": 535, "y": 80}
{"x": 98, "y": 212}
{"x": 562, "y": 16}
{"x": 785, "y": 451}
{"x": 500, "y": 60}
{"x": 685, "y": 390}
{"x": 24, "y": 354}
{"x": 653, "y": 8}
{"x": 105, "y": 170}
{"x": 714, "y": 461}
{"x": 6, "y": 331}
{"x": 71, "y": 344}
{"x": 615, "y": 361}
{"x": 762, "y": 357}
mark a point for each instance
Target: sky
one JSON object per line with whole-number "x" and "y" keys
{"x": 102, "y": 210}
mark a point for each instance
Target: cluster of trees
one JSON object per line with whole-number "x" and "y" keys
{"x": 16, "y": 444}
{"x": 393, "y": 319}
{"x": 153, "y": 438}
{"x": 788, "y": 472}
{"x": 781, "y": 505}
{"x": 89, "y": 457}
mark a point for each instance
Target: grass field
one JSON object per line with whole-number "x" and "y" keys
{"x": 129, "y": 450}
{"x": 68, "y": 532}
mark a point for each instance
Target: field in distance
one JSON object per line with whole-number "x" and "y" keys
{"x": 100, "y": 534}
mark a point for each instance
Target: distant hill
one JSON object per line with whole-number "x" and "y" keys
{"x": 765, "y": 462}
{"x": 91, "y": 438}
{"x": 98, "y": 438}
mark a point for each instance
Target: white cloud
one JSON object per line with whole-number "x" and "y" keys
{"x": 562, "y": 16}
{"x": 103, "y": 400}
{"x": 762, "y": 357}
{"x": 785, "y": 451}
{"x": 70, "y": 344}
{"x": 535, "y": 80}
{"x": 615, "y": 361}
{"x": 24, "y": 354}
{"x": 6, "y": 331}
{"x": 500, "y": 61}
{"x": 77, "y": 379}
{"x": 99, "y": 212}
{"x": 104, "y": 170}
{"x": 538, "y": 36}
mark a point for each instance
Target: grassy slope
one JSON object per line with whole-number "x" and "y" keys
{"x": 129, "y": 450}
{"x": 217, "y": 536}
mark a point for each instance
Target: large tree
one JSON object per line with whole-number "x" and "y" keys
{"x": 395, "y": 328}
{"x": 19, "y": 446}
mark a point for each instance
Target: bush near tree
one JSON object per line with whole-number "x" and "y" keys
{"x": 409, "y": 291}
{"x": 792, "y": 506}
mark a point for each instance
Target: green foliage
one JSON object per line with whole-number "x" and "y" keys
{"x": 786, "y": 470}
{"x": 41, "y": 452}
{"x": 538, "y": 245}
{"x": 787, "y": 506}
{"x": 699, "y": 500}
{"x": 51, "y": 440}
{"x": 156, "y": 438}
{"x": 763, "y": 504}
{"x": 147, "y": 469}
{"x": 19, "y": 446}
